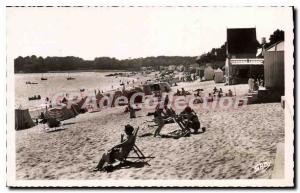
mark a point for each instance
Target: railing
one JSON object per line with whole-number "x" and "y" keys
{"x": 247, "y": 61}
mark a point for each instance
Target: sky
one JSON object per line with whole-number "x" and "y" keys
{"x": 133, "y": 32}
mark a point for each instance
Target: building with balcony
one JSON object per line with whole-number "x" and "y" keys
{"x": 241, "y": 61}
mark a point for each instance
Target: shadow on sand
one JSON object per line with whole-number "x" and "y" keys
{"x": 125, "y": 165}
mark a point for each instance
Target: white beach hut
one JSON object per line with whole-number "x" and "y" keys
{"x": 219, "y": 76}
{"x": 209, "y": 73}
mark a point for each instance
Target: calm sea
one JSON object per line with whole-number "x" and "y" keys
{"x": 58, "y": 83}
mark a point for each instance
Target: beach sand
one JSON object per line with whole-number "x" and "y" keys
{"x": 234, "y": 142}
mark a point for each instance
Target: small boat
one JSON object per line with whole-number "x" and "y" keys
{"x": 34, "y": 98}
{"x": 70, "y": 78}
{"x": 28, "y": 82}
{"x": 43, "y": 78}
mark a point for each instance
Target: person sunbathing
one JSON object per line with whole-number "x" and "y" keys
{"x": 190, "y": 119}
{"x": 193, "y": 122}
{"x": 118, "y": 152}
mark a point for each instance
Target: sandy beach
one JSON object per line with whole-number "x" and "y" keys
{"x": 234, "y": 142}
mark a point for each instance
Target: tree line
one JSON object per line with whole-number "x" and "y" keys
{"x": 35, "y": 64}
{"x": 217, "y": 56}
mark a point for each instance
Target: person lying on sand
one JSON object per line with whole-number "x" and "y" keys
{"x": 118, "y": 152}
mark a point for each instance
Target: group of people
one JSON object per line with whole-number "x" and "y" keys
{"x": 182, "y": 92}
{"x": 187, "y": 120}
{"x": 220, "y": 93}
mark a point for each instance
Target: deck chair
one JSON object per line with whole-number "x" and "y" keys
{"x": 119, "y": 162}
{"x": 135, "y": 149}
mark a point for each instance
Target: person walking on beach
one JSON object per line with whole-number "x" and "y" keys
{"x": 131, "y": 112}
{"x": 159, "y": 120}
{"x": 166, "y": 102}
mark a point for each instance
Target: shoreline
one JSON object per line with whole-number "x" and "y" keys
{"x": 73, "y": 71}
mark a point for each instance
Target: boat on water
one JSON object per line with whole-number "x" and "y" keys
{"x": 28, "y": 82}
{"x": 69, "y": 77}
{"x": 38, "y": 97}
{"x": 43, "y": 78}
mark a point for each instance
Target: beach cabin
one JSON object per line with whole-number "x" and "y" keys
{"x": 273, "y": 74}
{"x": 209, "y": 72}
{"x": 219, "y": 76}
{"x": 23, "y": 119}
{"x": 200, "y": 71}
{"x": 241, "y": 61}
{"x": 274, "y": 67}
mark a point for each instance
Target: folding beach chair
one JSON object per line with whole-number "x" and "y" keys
{"x": 136, "y": 150}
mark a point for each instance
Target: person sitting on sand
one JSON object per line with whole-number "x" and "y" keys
{"x": 230, "y": 93}
{"x": 210, "y": 98}
{"x": 119, "y": 151}
{"x": 191, "y": 119}
{"x": 198, "y": 93}
{"x": 178, "y": 92}
{"x": 183, "y": 93}
{"x": 193, "y": 122}
{"x": 219, "y": 94}
{"x": 43, "y": 118}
